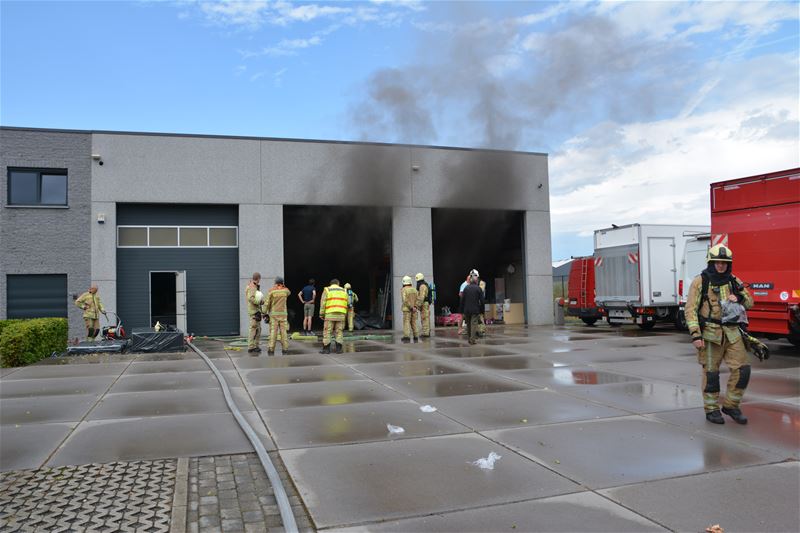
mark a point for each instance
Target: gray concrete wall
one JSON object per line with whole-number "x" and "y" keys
{"x": 539, "y": 269}
{"x": 48, "y": 240}
{"x": 412, "y": 252}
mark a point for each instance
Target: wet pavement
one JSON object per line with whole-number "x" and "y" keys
{"x": 598, "y": 429}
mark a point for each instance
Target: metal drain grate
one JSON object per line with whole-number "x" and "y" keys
{"x": 134, "y": 496}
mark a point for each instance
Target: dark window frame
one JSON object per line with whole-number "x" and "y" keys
{"x": 12, "y": 313}
{"x": 39, "y": 172}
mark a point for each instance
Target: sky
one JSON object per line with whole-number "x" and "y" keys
{"x": 640, "y": 105}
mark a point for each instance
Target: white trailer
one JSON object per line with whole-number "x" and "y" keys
{"x": 636, "y": 271}
{"x": 695, "y": 255}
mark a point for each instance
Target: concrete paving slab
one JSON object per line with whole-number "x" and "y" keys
{"x": 472, "y": 351}
{"x": 352, "y": 347}
{"x": 163, "y": 403}
{"x": 453, "y": 385}
{"x": 183, "y": 365}
{"x": 66, "y": 371}
{"x": 28, "y": 388}
{"x": 6, "y": 371}
{"x": 159, "y": 437}
{"x": 511, "y": 362}
{"x": 519, "y": 409}
{"x": 771, "y": 425}
{"x": 759, "y": 498}
{"x": 777, "y": 362}
{"x": 773, "y": 386}
{"x": 29, "y": 445}
{"x": 90, "y": 359}
{"x": 282, "y": 361}
{"x": 616, "y": 451}
{"x": 365, "y": 422}
{"x": 569, "y": 376}
{"x": 642, "y": 396}
{"x": 582, "y": 512}
{"x": 409, "y": 369}
{"x": 174, "y": 356}
{"x": 172, "y": 381}
{"x": 321, "y": 394}
{"x": 592, "y": 357}
{"x": 43, "y": 409}
{"x": 412, "y": 477}
{"x": 310, "y": 374}
{"x": 673, "y": 370}
{"x": 380, "y": 357}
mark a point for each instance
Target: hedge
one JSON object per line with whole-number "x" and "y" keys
{"x": 23, "y": 342}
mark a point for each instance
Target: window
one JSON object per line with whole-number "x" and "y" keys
{"x": 32, "y": 187}
{"x": 177, "y": 237}
{"x": 36, "y": 295}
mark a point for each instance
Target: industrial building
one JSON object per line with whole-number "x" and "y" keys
{"x": 170, "y": 226}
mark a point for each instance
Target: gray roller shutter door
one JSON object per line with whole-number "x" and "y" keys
{"x": 36, "y": 295}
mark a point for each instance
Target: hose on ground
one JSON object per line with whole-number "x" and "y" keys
{"x": 281, "y": 497}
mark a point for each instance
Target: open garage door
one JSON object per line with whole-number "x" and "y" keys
{"x": 352, "y": 244}
{"x": 490, "y": 241}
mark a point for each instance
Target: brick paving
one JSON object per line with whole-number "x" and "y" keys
{"x": 232, "y": 494}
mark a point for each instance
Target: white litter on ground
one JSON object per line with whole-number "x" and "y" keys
{"x": 427, "y": 409}
{"x": 395, "y": 430}
{"x": 488, "y": 462}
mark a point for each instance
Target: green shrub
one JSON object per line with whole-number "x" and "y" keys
{"x": 4, "y": 323}
{"x": 23, "y": 342}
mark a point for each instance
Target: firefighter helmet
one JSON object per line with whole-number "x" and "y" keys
{"x": 347, "y": 286}
{"x": 419, "y": 276}
{"x": 279, "y": 281}
{"x": 406, "y": 280}
{"x": 720, "y": 252}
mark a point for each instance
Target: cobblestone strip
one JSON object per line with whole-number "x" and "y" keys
{"x": 232, "y": 494}
{"x": 129, "y": 496}
{"x": 180, "y": 497}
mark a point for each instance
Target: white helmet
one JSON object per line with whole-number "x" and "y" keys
{"x": 259, "y": 297}
{"x": 406, "y": 280}
{"x": 474, "y": 273}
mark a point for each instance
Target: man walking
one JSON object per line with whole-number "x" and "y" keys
{"x": 308, "y": 295}
{"x": 275, "y": 307}
{"x": 92, "y": 307}
{"x": 332, "y": 310}
{"x": 424, "y": 301}
{"x": 352, "y": 300}
{"x": 471, "y": 306}
{"x": 254, "y": 299}
{"x": 716, "y": 335}
{"x": 408, "y": 296}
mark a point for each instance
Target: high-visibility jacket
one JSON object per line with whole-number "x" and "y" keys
{"x": 334, "y": 301}
{"x": 276, "y": 301}
{"x": 409, "y": 296}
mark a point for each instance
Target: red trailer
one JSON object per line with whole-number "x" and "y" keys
{"x": 581, "y": 291}
{"x": 759, "y": 218}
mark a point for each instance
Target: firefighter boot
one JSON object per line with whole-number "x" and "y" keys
{"x": 326, "y": 348}
{"x": 416, "y": 339}
{"x": 735, "y": 413}
{"x": 715, "y": 417}
{"x": 270, "y": 352}
{"x": 339, "y": 347}
{"x": 406, "y": 340}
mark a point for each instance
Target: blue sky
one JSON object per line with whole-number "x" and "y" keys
{"x": 639, "y": 104}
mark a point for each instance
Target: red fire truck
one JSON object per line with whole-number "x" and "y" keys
{"x": 759, "y": 218}
{"x": 581, "y": 291}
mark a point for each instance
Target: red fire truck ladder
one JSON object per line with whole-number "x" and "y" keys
{"x": 584, "y": 276}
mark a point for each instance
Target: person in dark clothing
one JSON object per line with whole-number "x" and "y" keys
{"x": 308, "y": 296}
{"x": 471, "y": 307}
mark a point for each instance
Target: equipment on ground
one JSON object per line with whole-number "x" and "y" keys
{"x": 150, "y": 340}
{"x": 115, "y": 330}
{"x": 101, "y": 346}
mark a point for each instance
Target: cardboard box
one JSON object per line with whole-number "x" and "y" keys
{"x": 514, "y": 314}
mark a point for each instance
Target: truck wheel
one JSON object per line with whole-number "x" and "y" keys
{"x": 589, "y": 321}
{"x": 680, "y": 321}
{"x": 794, "y": 339}
{"x": 648, "y": 325}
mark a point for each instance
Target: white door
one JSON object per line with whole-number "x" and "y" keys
{"x": 661, "y": 261}
{"x": 180, "y": 300}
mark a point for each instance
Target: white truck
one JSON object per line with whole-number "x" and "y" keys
{"x": 694, "y": 261}
{"x": 636, "y": 271}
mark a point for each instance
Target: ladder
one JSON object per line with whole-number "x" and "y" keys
{"x": 584, "y": 280}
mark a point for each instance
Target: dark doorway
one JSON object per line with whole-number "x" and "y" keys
{"x": 162, "y": 298}
{"x": 490, "y": 241}
{"x": 352, "y": 244}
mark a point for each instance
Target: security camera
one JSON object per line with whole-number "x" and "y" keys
{"x": 100, "y": 162}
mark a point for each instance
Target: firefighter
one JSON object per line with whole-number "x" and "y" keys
{"x": 275, "y": 308}
{"x": 254, "y": 298}
{"x": 333, "y": 310}
{"x": 92, "y": 307}
{"x": 715, "y": 340}
{"x": 352, "y": 300}
{"x": 424, "y": 301}
{"x": 408, "y": 296}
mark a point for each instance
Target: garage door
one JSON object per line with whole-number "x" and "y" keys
{"x": 36, "y": 295}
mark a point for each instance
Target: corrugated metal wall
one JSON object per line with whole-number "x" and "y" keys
{"x": 37, "y": 295}
{"x": 212, "y": 300}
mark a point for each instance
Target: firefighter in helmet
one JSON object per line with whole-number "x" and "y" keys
{"x": 716, "y": 334}
{"x": 408, "y": 296}
{"x": 424, "y": 301}
{"x": 352, "y": 300}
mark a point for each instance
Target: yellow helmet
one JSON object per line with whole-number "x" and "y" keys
{"x": 406, "y": 280}
{"x": 720, "y": 252}
{"x": 346, "y": 285}
{"x": 419, "y": 276}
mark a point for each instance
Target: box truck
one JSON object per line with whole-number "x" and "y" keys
{"x": 759, "y": 218}
{"x": 695, "y": 260}
{"x": 636, "y": 271}
{"x": 581, "y": 292}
